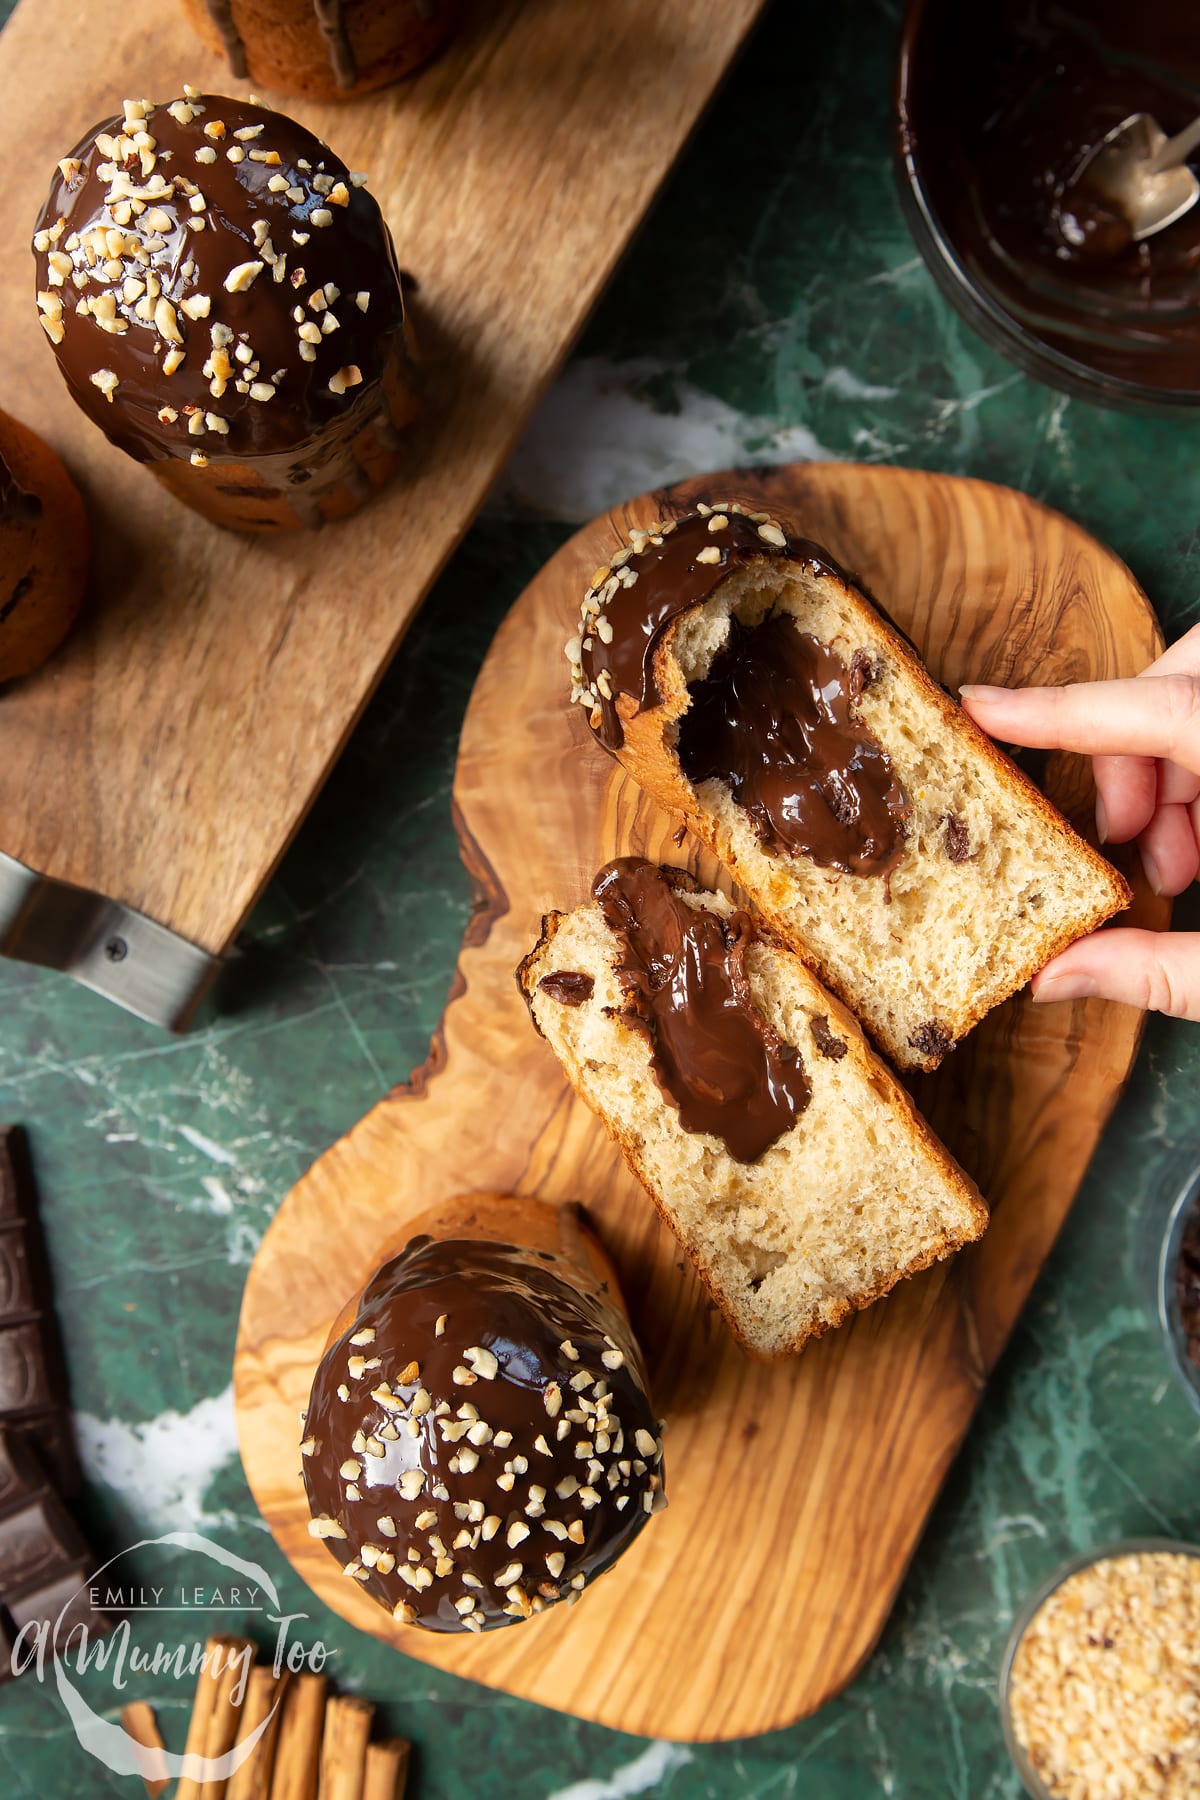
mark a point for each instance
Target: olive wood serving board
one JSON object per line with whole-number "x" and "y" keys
{"x": 799, "y": 1490}
{"x": 167, "y": 754}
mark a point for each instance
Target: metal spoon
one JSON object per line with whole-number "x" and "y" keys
{"x": 1142, "y": 172}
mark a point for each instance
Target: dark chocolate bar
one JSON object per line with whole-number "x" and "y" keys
{"x": 33, "y": 1392}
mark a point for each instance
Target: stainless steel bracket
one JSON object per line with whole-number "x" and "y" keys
{"x": 109, "y": 948}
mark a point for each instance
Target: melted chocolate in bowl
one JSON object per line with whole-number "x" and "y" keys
{"x": 999, "y": 108}
{"x": 726, "y": 1071}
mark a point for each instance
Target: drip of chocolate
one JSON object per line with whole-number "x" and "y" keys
{"x": 668, "y": 573}
{"x": 489, "y": 1413}
{"x": 774, "y": 720}
{"x": 329, "y": 19}
{"x": 727, "y": 1072}
{"x": 221, "y": 13}
{"x": 570, "y": 987}
{"x": 333, "y": 30}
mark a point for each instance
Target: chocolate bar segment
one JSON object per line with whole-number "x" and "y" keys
{"x": 21, "y": 1478}
{"x": 63, "y": 1603}
{"x": 16, "y": 1183}
{"x": 37, "y": 1542}
{"x": 18, "y": 1297}
{"x": 25, "y": 1384}
{"x": 48, "y": 1438}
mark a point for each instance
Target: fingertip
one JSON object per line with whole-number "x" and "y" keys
{"x": 1067, "y": 984}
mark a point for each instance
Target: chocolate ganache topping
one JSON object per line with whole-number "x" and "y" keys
{"x": 774, "y": 720}
{"x": 662, "y": 573}
{"x": 717, "y": 1060}
{"x": 217, "y": 285}
{"x": 479, "y": 1442}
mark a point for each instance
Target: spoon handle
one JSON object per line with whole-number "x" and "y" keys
{"x": 1176, "y": 149}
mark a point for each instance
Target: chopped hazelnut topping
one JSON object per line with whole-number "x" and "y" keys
{"x": 242, "y": 277}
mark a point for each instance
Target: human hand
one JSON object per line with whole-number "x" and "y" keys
{"x": 1144, "y": 738}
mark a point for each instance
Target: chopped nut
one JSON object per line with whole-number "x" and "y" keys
{"x": 165, "y": 322}
{"x": 325, "y": 1527}
{"x": 482, "y": 1361}
{"x": 1104, "y": 1684}
{"x": 242, "y": 277}
{"x": 106, "y": 381}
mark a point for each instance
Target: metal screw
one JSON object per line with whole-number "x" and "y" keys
{"x": 116, "y": 949}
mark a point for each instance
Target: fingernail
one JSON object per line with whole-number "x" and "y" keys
{"x": 969, "y": 692}
{"x": 1069, "y": 986}
{"x": 1101, "y": 820}
{"x": 1152, "y": 874}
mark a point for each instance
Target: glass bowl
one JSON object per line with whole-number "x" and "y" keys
{"x": 983, "y": 289}
{"x": 1035, "y": 1787}
{"x": 1185, "y": 1207}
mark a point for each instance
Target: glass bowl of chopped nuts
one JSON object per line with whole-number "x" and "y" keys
{"x": 1100, "y": 1678}
{"x": 1179, "y": 1287}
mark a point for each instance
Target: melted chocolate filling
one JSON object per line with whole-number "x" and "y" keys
{"x": 570, "y": 987}
{"x": 727, "y": 1071}
{"x": 773, "y": 720}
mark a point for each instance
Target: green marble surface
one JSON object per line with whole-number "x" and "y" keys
{"x": 772, "y": 307}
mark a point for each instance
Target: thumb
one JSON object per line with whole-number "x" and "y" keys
{"x": 1158, "y": 971}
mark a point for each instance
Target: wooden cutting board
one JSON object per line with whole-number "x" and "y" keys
{"x": 167, "y": 754}
{"x": 797, "y": 1491}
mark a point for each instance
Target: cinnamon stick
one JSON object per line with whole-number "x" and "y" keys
{"x": 298, "y": 1744}
{"x": 215, "y": 1716}
{"x": 264, "y": 1700}
{"x": 387, "y": 1770}
{"x": 142, "y": 1726}
{"x": 344, "y": 1748}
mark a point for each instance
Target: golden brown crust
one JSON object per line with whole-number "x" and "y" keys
{"x": 236, "y": 495}
{"x": 873, "y": 1070}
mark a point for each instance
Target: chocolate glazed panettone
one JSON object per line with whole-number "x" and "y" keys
{"x": 324, "y": 49}
{"x": 223, "y": 299}
{"x": 479, "y": 1443}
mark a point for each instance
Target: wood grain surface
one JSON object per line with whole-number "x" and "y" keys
{"x": 167, "y": 754}
{"x": 797, "y": 1491}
